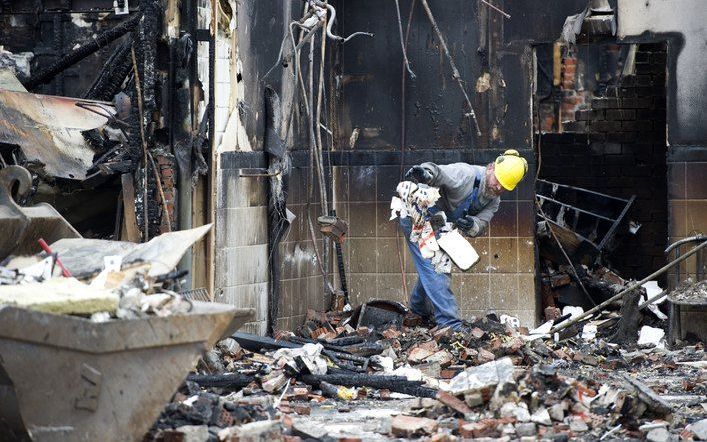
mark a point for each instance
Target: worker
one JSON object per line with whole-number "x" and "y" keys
{"x": 469, "y": 197}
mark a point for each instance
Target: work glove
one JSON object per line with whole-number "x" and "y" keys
{"x": 469, "y": 225}
{"x": 419, "y": 175}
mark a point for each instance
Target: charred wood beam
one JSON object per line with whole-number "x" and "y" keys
{"x": 112, "y": 74}
{"x": 94, "y": 139}
{"x": 627, "y": 330}
{"x": 257, "y": 343}
{"x": 226, "y": 380}
{"x": 78, "y": 54}
{"x": 278, "y": 171}
{"x": 111, "y": 168}
{"x": 398, "y": 384}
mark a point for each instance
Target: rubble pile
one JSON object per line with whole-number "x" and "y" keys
{"x": 123, "y": 281}
{"x": 492, "y": 380}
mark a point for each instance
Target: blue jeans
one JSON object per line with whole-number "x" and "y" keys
{"x": 431, "y": 294}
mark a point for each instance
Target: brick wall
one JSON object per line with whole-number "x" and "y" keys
{"x": 617, "y": 146}
{"x": 167, "y": 167}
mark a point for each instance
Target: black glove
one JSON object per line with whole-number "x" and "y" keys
{"x": 468, "y": 225}
{"x": 419, "y": 175}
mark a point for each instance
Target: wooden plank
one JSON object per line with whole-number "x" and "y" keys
{"x": 200, "y": 266}
{"x": 131, "y": 230}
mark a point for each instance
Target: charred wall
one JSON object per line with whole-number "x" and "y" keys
{"x": 365, "y": 93}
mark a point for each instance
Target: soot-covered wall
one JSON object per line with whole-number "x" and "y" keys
{"x": 365, "y": 90}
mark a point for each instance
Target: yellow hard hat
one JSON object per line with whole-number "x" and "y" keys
{"x": 510, "y": 168}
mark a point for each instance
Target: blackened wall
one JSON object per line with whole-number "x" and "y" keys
{"x": 365, "y": 95}
{"x": 49, "y": 33}
{"x": 481, "y": 42}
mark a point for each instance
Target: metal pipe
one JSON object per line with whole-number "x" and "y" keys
{"x": 566, "y": 186}
{"x": 545, "y": 198}
{"x": 699, "y": 237}
{"x": 651, "y": 299}
{"x": 653, "y": 275}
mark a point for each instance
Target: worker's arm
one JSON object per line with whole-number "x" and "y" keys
{"x": 475, "y": 225}
{"x": 449, "y": 177}
{"x": 483, "y": 218}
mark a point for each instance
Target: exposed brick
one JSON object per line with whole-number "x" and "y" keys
{"x": 628, "y": 125}
{"x": 605, "y": 103}
{"x": 605, "y": 126}
{"x": 612, "y": 148}
{"x": 574, "y": 126}
{"x": 620, "y": 114}
{"x": 643, "y": 80}
{"x": 654, "y": 47}
{"x": 633, "y": 103}
{"x": 643, "y": 57}
{"x": 642, "y": 125}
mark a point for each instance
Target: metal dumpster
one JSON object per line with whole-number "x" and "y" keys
{"x": 67, "y": 378}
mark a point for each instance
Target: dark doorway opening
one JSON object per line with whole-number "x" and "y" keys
{"x": 600, "y": 125}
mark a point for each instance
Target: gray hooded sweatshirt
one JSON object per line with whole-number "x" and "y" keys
{"x": 456, "y": 183}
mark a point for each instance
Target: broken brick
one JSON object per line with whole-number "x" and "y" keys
{"x": 453, "y": 402}
{"x": 485, "y": 356}
{"x": 303, "y": 409}
{"x": 410, "y": 426}
{"x": 391, "y": 333}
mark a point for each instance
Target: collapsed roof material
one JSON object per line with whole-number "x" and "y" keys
{"x": 49, "y": 129}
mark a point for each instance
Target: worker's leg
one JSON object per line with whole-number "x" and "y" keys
{"x": 419, "y": 303}
{"x": 434, "y": 286}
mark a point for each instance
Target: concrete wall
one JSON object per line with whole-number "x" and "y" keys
{"x": 241, "y": 261}
{"x": 683, "y": 24}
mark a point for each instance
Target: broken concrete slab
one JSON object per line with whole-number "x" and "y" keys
{"x": 482, "y": 376}
{"x": 410, "y": 426}
{"x": 541, "y": 416}
{"x": 658, "y": 435}
{"x": 67, "y": 296}
{"x": 261, "y": 431}
{"x": 699, "y": 429}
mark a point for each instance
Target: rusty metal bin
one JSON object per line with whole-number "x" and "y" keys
{"x": 67, "y": 378}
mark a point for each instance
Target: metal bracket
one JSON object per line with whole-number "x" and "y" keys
{"x": 257, "y": 173}
{"x": 125, "y": 9}
{"x": 91, "y": 385}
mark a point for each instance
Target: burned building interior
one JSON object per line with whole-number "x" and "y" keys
{"x": 198, "y": 233}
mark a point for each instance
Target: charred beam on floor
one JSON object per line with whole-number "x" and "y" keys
{"x": 226, "y": 380}
{"x": 398, "y": 384}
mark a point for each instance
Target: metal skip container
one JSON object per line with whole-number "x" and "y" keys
{"x": 68, "y": 378}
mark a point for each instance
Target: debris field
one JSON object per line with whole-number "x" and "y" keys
{"x": 331, "y": 381}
